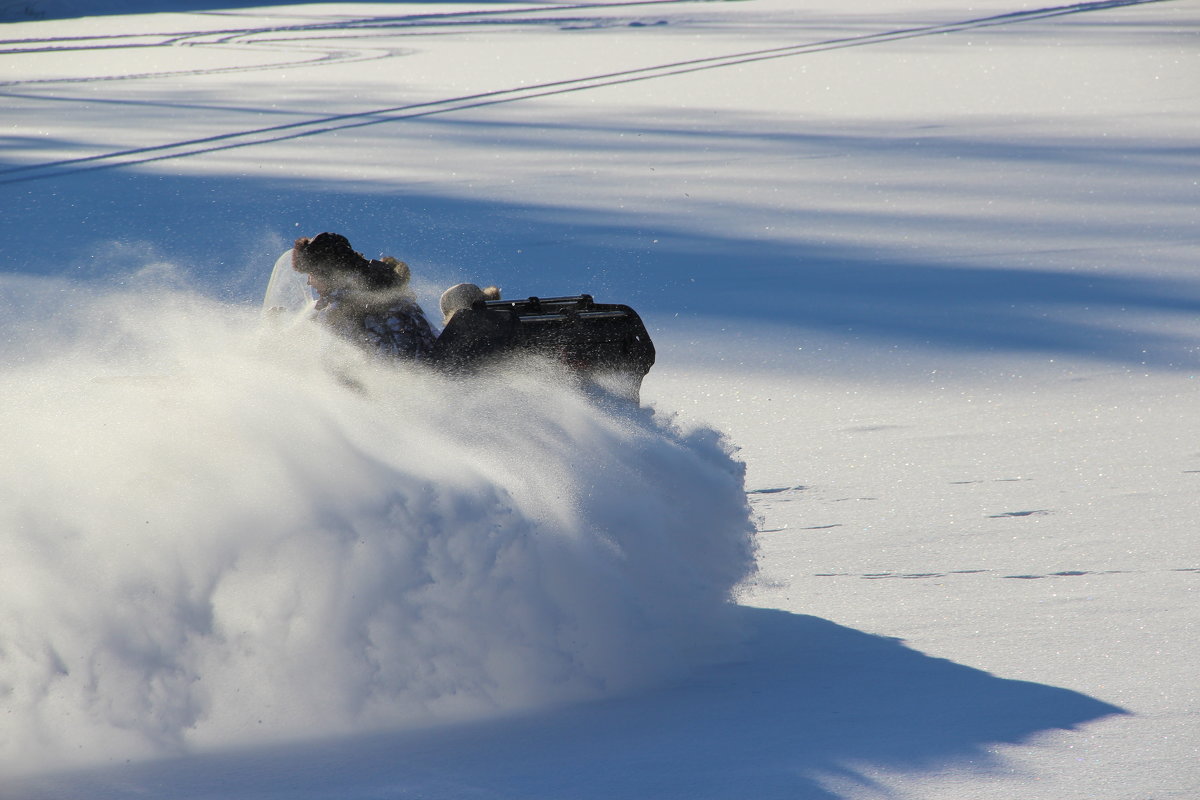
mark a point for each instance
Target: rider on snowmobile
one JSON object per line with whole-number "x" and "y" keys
{"x": 366, "y": 301}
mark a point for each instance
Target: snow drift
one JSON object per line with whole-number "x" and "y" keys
{"x": 210, "y": 535}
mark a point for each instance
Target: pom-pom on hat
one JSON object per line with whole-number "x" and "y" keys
{"x": 399, "y": 268}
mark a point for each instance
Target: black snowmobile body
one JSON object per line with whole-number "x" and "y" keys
{"x": 593, "y": 339}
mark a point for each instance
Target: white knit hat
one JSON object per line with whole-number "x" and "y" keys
{"x": 458, "y": 297}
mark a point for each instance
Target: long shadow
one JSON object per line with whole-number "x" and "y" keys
{"x": 226, "y": 233}
{"x": 31, "y": 9}
{"x": 808, "y": 700}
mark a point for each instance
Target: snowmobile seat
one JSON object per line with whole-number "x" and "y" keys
{"x": 591, "y": 338}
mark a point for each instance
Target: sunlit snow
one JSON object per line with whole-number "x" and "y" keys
{"x": 908, "y": 508}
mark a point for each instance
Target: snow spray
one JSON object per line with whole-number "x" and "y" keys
{"x": 214, "y": 531}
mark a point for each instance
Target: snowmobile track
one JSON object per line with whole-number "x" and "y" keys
{"x": 341, "y": 122}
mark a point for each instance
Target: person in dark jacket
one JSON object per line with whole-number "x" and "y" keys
{"x": 366, "y": 301}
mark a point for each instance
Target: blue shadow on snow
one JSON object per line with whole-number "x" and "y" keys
{"x": 227, "y": 231}
{"x": 809, "y": 701}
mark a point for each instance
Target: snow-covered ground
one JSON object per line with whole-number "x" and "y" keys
{"x": 930, "y": 268}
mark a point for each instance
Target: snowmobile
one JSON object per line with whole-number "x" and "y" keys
{"x": 593, "y": 339}
{"x": 603, "y": 344}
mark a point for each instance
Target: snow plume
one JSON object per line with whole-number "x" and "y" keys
{"x": 209, "y": 535}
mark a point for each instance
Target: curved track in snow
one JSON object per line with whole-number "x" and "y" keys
{"x": 339, "y": 122}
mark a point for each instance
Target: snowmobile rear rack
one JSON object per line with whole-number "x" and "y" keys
{"x": 592, "y": 338}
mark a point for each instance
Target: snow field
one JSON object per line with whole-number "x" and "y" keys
{"x": 939, "y": 289}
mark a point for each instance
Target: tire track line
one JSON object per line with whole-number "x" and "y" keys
{"x": 342, "y": 122}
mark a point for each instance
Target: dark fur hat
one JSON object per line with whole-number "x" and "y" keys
{"x": 327, "y": 255}
{"x": 330, "y": 257}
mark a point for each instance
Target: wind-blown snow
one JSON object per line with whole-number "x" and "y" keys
{"x": 930, "y": 265}
{"x": 211, "y": 535}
